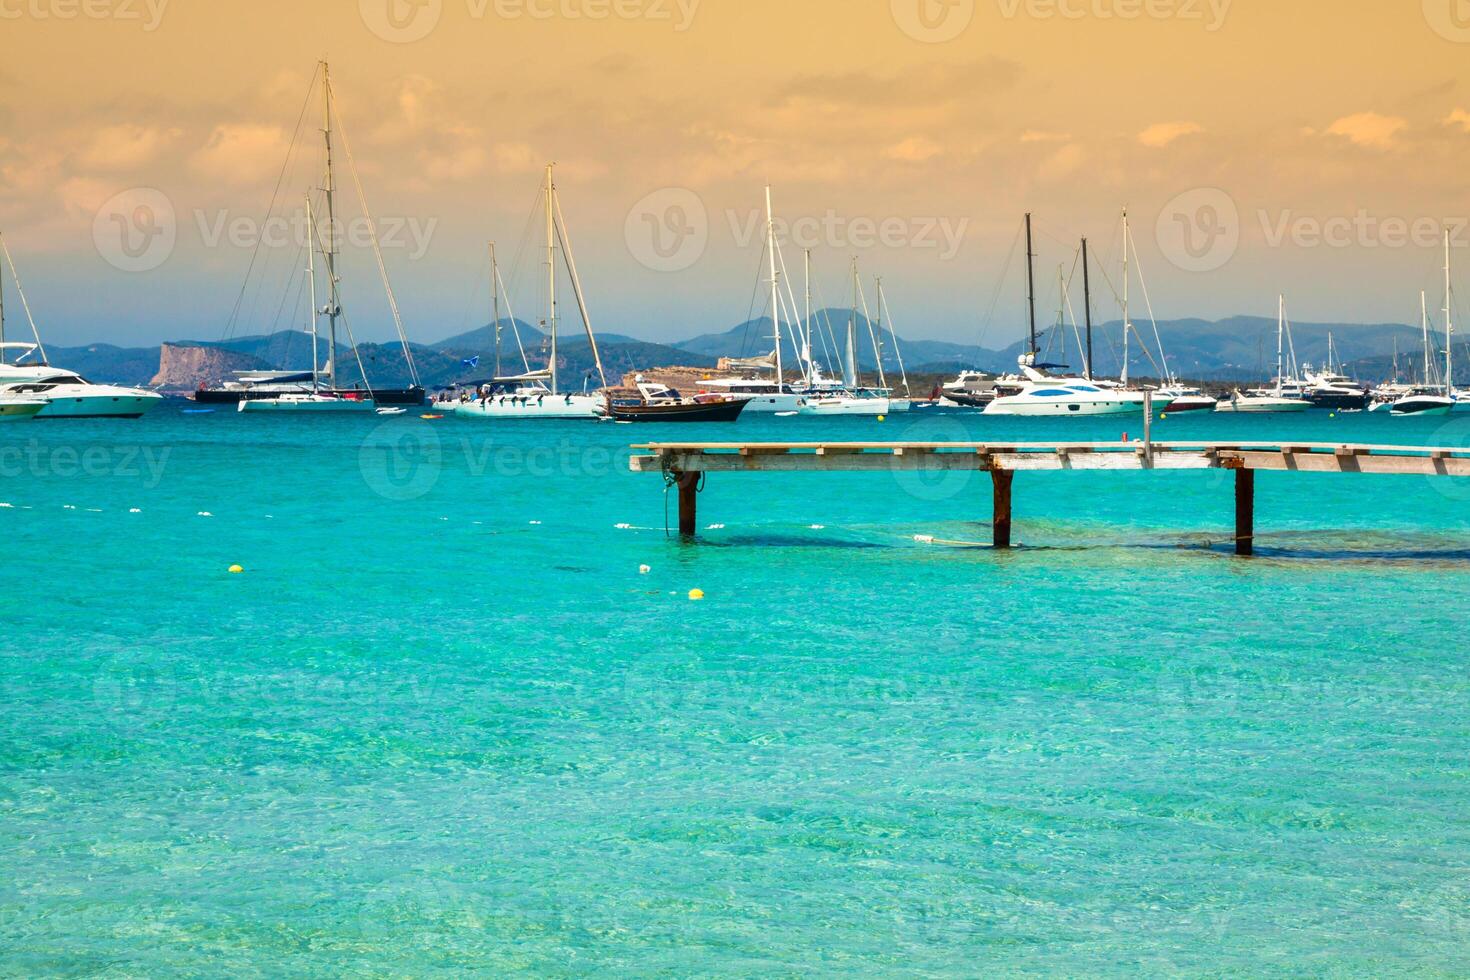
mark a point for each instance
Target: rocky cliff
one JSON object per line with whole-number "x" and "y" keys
{"x": 185, "y": 368}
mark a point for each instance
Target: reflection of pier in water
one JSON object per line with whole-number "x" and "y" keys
{"x": 685, "y": 465}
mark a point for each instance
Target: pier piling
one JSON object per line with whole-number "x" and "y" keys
{"x": 1000, "y": 521}
{"x": 688, "y": 484}
{"x": 1245, "y": 511}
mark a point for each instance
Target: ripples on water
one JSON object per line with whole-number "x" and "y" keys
{"x": 443, "y": 722}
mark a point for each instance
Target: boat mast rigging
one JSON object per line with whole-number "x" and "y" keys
{"x": 1030, "y": 287}
{"x": 775, "y": 284}
{"x": 551, "y": 272}
{"x": 1086, "y": 311}
{"x": 311, "y": 288}
{"x": 330, "y": 244}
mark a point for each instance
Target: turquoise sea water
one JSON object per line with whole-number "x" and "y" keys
{"x": 441, "y": 721}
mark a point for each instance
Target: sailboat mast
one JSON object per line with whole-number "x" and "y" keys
{"x": 1127, "y": 324}
{"x": 876, "y": 332}
{"x": 775, "y": 283}
{"x": 330, "y": 245}
{"x": 1087, "y": 310}
{"x": 807, "y": 313}
{"x": 1449, "y": 328}
{"x": 849, "y": 369}
{"x": 1030, "y": 286}
{"x": 1280, "y": 322}
{"x": 2, "y": 315}
{"x": 551, "y": 270}
{"x": 897, "y": 351}
{"x": 495, "y": 304}
{"x": 311, "y": 288}
{"x": 1424, "y": 326}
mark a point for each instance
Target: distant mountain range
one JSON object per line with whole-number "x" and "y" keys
{"x": 1238, "y": 348}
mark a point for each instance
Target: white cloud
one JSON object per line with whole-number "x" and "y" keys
{"x": 915, "y": 149}
{"x": 126, "y": 146}
{"x": 1061, "y": 163}
{"x": 1164, "y": 133}
{"x": 516, "y": 158}
{"x": 1460, "y": 118}
{"x": 1368, "y": 129}
{"x": 241, "y": 153}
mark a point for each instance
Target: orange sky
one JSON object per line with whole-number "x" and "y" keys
{"x": 939, "y": 120}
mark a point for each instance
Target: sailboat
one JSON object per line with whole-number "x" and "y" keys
{"x": 850, "y": 398}
{"x": 317, "y": 389}
{"x": 537, "y": 394}
{"x": 747, "y": 381}
{"x": 316, "y": 398}
{"x": 1428, "y": 401}
{"x": 41, "y": 390}
{"x": 1041, "y": 394}
{"x": 1261, "y": 400}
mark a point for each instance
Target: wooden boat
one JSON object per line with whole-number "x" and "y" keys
{"x": 657, "y": 403}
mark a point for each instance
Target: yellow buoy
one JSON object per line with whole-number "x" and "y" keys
{"x": 882, "y": 417}
{"x": 696, "y": 594}
{"x": 236, "y": 569}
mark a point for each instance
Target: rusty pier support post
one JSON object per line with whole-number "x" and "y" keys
{"x": 688, "y": 484}
{"x": 1245, "y": 511}
{"x": 1000, "y": 522}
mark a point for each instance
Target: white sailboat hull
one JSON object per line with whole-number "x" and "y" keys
{"x": 1262, "y": 403}
{"x": 772, "y": 403}
{"x": 844, "y": 405}
{"x": 547, "y": 406}
{"x": 305, "y": 403}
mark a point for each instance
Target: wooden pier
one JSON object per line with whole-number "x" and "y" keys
{"x": 684, "y": 465}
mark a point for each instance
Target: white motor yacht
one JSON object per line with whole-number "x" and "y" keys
{"x": 761, "y": 394}
{"x": 20, "y": 409}
{"x": 1045, "y": 395}
{"x": 1256, "y": 401}
{"x": 67, "y": 394}
{"x": 1185, "y": 399}
{"x": 1423, "y": 402}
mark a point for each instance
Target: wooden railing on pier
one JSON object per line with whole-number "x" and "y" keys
{"x": 685, "y": 463}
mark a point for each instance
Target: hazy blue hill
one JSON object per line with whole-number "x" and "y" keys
{"x": 1235, "y": 348}
{"x": 482, "y": 339}
{"x": 105, "y": 362}
{"x": 1240, "y": 347}
{"x": 753, "y": 338}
